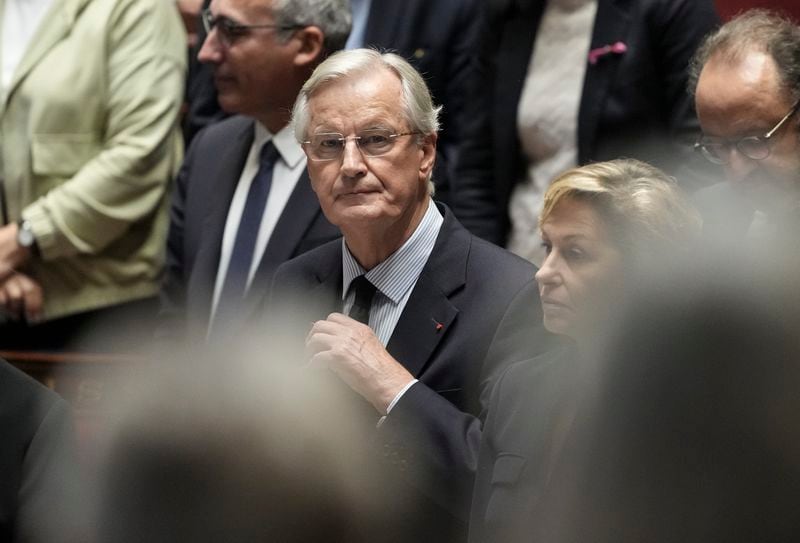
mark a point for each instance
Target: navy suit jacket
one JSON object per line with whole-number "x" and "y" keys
{"x": 633, "y": 104}
{"x": 203, "y": 194}
{"x": 474, "y": 310}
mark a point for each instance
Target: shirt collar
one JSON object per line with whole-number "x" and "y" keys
{"x": 398, "y": 273}
{"x": 284, "y": 141}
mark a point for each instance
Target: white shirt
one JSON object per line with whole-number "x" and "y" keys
{"x": 547, "y": 114}
{"x": 285, "y": 174}
{"x": 21, "y": 19}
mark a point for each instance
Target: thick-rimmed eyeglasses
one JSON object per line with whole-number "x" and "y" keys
{"x": 229, "y": 31}
{"x": 753, "y": 147}
{"x": 373, "y": 142}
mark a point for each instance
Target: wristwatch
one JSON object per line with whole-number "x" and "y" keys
{"x": 25, "y": 237}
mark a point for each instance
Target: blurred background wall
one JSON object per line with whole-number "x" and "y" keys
{"x": 729, "y": 8}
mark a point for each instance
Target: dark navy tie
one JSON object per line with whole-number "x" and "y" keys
{"x": 235, "y": 285}
{"x": 365, "y": 291}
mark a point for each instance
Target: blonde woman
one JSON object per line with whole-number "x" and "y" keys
{"x": 601, "y": 225}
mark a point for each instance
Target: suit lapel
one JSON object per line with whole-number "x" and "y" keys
{"x": 429, "y": 313}
{"x": 329, "y": 290}
{"x": 55, "y": 25}
{"x": 220, "y": 191}
{"x": 325, "y": 289}
{"x": 611, "y": 26}
{"x": 300, "y": 211}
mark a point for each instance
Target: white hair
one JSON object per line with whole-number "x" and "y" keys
{"x": 418, "y": 109}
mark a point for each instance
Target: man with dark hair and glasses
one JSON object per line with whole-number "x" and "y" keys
{"x": 409, "y": 311}
{"x": 746, "y": 82}
{"x": 243, "y": 203}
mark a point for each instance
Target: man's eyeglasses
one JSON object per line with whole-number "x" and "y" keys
{"x": 229, "y": 31}
{"x": 753, "y": 147}
{"x": 372, "y": 143}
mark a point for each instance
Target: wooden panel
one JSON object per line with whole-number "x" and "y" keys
{"x": 83, "y": 379}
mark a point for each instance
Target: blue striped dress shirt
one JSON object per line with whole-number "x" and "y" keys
{"x": 395, "y": 277}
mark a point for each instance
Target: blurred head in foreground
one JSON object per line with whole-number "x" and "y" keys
{"x": 601, "y": 224}
{"x": 232, "y": 453}
{"x": 694, "y": 435}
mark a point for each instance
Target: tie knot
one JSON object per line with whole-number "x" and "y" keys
{"x": 362, "y": 284}
{"x": 269, "y": 154}
{"x": 364, "y": 291}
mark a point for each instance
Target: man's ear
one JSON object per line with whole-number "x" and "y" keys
{"x": 311, "y": 46}
{"x": 428, "y": 149}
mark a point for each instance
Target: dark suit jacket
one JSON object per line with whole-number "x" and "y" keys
{"x": 516, "y": 450}
{"x": 440, "y": 38}
{"x": 632, "y": 105}
{"x": 38, "y": 493}
{"x": 487, "y": 304}
{"x": 202, "y": 196}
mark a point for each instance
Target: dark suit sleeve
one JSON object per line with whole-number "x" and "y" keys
{"x": 680, "y": 27}
{"x": 436, "y": 442}
{"x": 172, "y": 312}
{"x": 485, "y": 465}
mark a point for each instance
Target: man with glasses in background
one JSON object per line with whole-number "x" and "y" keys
{"x": 746, "y": 81}
{"x": 243, "y": 203}
{"x": 410, "y": 311}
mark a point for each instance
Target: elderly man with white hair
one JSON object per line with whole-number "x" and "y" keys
{"x": 409, "y": 310}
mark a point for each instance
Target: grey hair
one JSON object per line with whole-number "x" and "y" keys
{"x": 417, "y": 104}
{"x": 754, "y": 30}
{"x": 333, "y": 17}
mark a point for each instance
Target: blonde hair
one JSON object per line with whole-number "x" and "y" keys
{"x": 646, "y": 212}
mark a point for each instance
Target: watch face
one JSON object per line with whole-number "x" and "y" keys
{"x": 25, "y": 237}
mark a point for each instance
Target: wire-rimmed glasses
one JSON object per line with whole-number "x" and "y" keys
{"x": 229, "y": 31}
{"x": 372, "y": 142}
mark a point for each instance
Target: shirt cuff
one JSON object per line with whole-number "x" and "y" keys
{"x": 43, "y": 230}
{"x": 395, "y": 400}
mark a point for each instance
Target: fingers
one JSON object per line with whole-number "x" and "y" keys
{"x": 14, "y": 297}
{"x": 340, "y": 318}
{"x": 324, "y": 328}
{"x": 22, "y": 297}
{"x": 320, "y": 361}
{"x": 6, "y": 271}
{"x": 337, "y": 324}
{"x": 338, "y": 331}
{"x": 33, "y": 298}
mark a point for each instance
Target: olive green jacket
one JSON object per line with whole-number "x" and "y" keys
{"x": 90, "y": 142}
